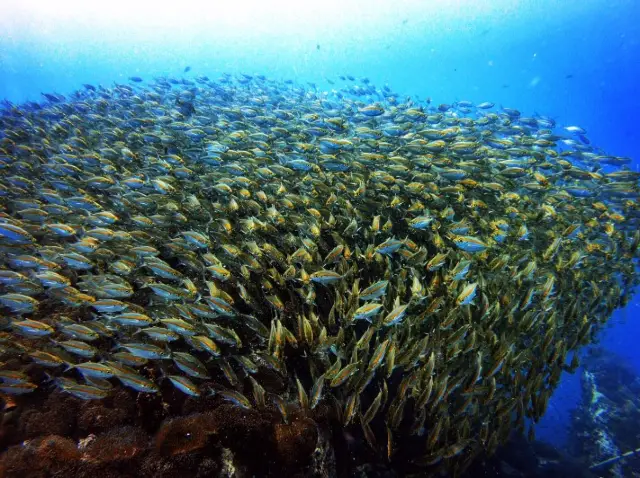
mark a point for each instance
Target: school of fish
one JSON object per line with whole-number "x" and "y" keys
{"x": 427, "y": 272}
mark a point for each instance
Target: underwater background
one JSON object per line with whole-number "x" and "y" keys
{"x": 577, "y": 62}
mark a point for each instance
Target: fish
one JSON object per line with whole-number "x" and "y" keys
{"x": 13, "y": 377}
{"x": 421, "y": 222}
{"x": 389, "y": 246}
{"x": 370, "y": 413}
{"x": 93, "y": 370}
{"x": 374, "y": 291}
{"x": 396, "y": 315}
{"x": 18, "y": 388}
{"x": 575, "y": 130}
{"x": 82, "y": 391}
{"x": 350, "y": 408}
{"x": 184, "y": 385}
{"x": 303, "y": 398}
{"x": 367, "y": 311}
{"x": 343, "y": 375}
{"x": 146, "y": 351}
{"x": 32, "y": 328}
{"x": 469, "y": 244}
{"x": 460, "y": 270}
{"x": 207, "y": 344}
{"x": 15, "y": 234}
{"x": 378, "y": 355}
{"x": 189, "y": 365}
{"x": 325, "y": 277}
{"x": 436, "y": 262}
{"x": 236, "y": 398}
{"x": 467, "y": 294}
{"x": 19, "y": 303}
{"x": 223, "y": 335}
{"x": 220, "y": 306}
{"x": 138, "y": 383}
{"x": 133, "y": 319}
{"x": 394, "y": 254}
{"x": 317, "y": 392}
{"x": 179, "y": 326}
{"x": 78, "y": 347}
{"x": 46, "y": 359}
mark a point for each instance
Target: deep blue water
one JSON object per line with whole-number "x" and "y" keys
{"x": 576, "y": 61}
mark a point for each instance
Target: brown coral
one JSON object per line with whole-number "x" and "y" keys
{"x": 295, "y": 442}
{"x": 57, "y": 416}
{"x": 19, "y": 461}
{"x": 9, "y": 435}
{"x": 119, "y": 444}
{"x": 100, "y": 415}
{"x": 185, "y": 465}
{"x": 54, "y": 449}
{"x": 184, "y": 435}
{"x": 43, "y": 457}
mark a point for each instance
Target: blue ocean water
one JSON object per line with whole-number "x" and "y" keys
{"x": 576, "y": 61}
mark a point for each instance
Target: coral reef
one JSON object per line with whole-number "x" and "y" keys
{"x": 225, "y": 441}
{"x": 230, "y": 442}
{"x": 605, "y": 425}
